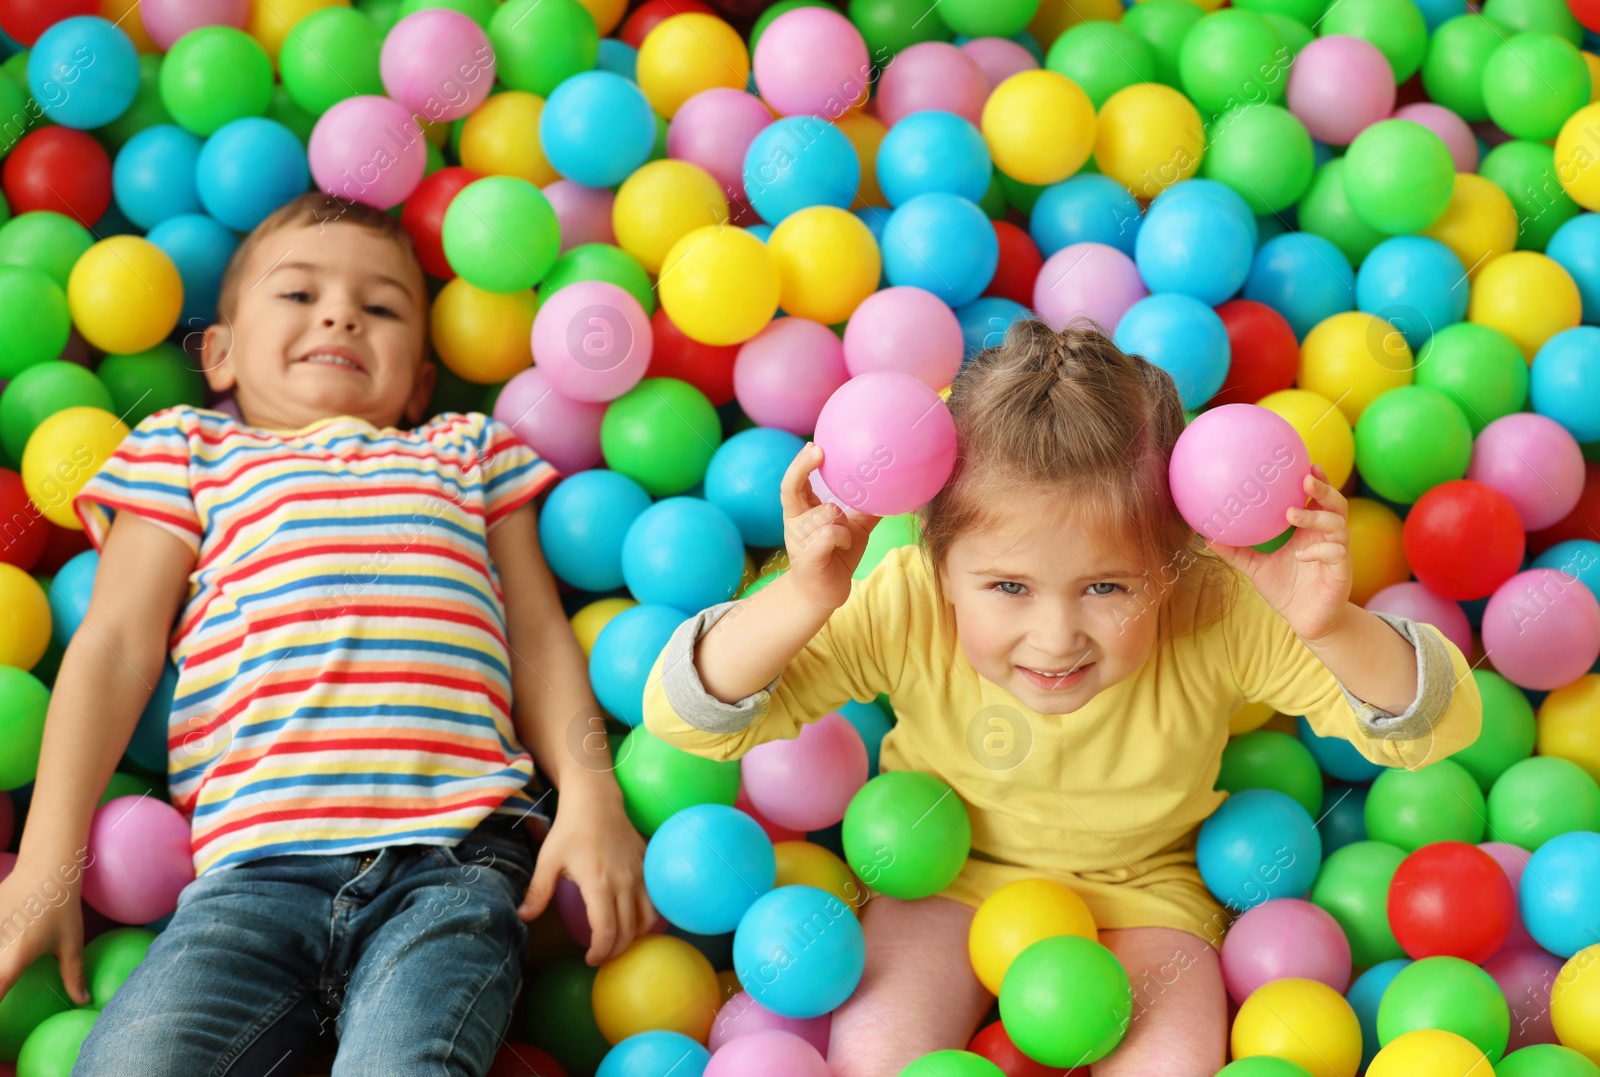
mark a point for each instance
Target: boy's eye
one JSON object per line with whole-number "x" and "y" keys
{"x": 381, "y": 311}
{"x": 297, "y": 297}
{"x": 1010, "y": 587}
{"x": 1105, "y": 588}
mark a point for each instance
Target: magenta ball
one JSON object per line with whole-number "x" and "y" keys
{"x": 933, "y": 75}
{"x": 438, "y": 63}
{"x": 1512, "y": 859}
{"x": 8, "y": 861}
{"x": 572, "y": 912}
{"x": 905, "y": 329}
{"x": 584, "y": 213}
{"x": 1542, "y": 629}
{"x": 714, "y": 129}
{"x": 593, "y": 341}
{"x": 565, "y": 432}
{"x": 888, "y": 443}
{"x": 771, "y": 1053}
{"x": 1339, "y": 86}
{"x": 785, "y": 374}
{"x": 1236, "y": 471}
{"x": 368, "y": 149}
{"x": 1535, "y": 462}
{"x": 742, "y": 1015}
{"x": 8, "y": 818}
{"x": 1413, "y": 600}
{"x": 1448, "y": 126}
{"x": 999, "y": 58}
{"x": 1526, "y": 978}
{"x": 1087, "y": 279}
{"x": 228, "y": 406}
{"x": 811, "y": 61}
{"x": 806, "y": 783}
{"x": 139, "y": 859}
{"x": 168, "y": 20}
{"x": 773, "y": 830}
{"x": 1280, "y": 938}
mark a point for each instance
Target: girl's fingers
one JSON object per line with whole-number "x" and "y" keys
{"x": 627, "y": 921}
{"x": 602, "y": 924}
{"x": 795, "y": 492}
{"x": 1329, "y": 523}
{"x": 1318, "y": 487}
{"x": 1329, "y": 553}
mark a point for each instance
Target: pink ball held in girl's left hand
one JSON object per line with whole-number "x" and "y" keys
{"x": 888, "y": 443}
{"x": 139, "y": 859}
{"x": 1235, "y": 473}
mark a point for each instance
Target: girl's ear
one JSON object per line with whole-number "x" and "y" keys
{"x": 215, "y": 347}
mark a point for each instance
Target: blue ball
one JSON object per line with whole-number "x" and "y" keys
{"x": 1435, "y": 12}
{"x": 658, "y": 1053}
{"x": 582, "y": 525}
{"x": 597, "y": 128}
{"x": 1364, "y": 996}
{"x": 872, "y": 724}
{"x": 623, "y": 653}
{"x": 743, "y": 480}
{"x": 1337, "y": 757}
{"x": 942, "y": 244}
{"x": 1221, "y": 195}
{"x": 84, "y": 72}
{"x": 618, "y": 57}
{"x": 1576, "y": 248}
{"x": 800, "y": 161}
{"x": 69, "y": 595}
{"x": 1560, "y": 893}
{"x": 147, "y": 748}
{"x": 876, "y": 218}
{"x": 763, "y": 232}
{"x": 1182, "y": 336}
{"x": 706, "y": 866}
{"x": 984, "y": 322}
{"x": 200, "y": 247}
{"x": 1186, "y": 246}
{"x": 249, "y": 168}
{"x": 1564, "y": 383}
{"x": 1303, "y": 277}
{"x": 1414, "y": 282}
{"x": 1088, "y": 208}
{"x": 1343, "y": 818}
{"x": 683, "y": 552}
{"x": 799, "y": 951}
{"x": 1259, "y": 845}
{"x": 1579, "y": 558}
{"x": 933, "y": 151}
{"x": 153, "y": 177}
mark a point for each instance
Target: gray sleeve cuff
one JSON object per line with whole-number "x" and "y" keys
{"x": 1435, "y": 687}
{"x": 687, "y": 694}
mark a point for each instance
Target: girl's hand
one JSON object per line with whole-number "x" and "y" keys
{"x": 1307, "y": 580}
{"x": 825, "y": 542}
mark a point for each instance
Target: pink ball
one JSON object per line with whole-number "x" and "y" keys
{"x": 593, "y": 340}
{"x": 1535, "y": 462}
{"x": 1236, "y": 471}
{"x": 905, "y": 329}
{"x": 563, "y": 431}
{"x": 713, "y": 129}
{"x": 1541, "y": 629}
{"x": 1448, "y": 126}
{"x": 1284, "y": 937}
{"x": 139, "y": 859}
{"x": 742, "y": 1015}
{"x": 1087, "y": 279}
{"x": 438, "y": 63}
{"x": 812, "y": 61}
{"x": 168, "y": 20}
{"x": 1339, "y": 86}
{"x": 1512, "y": 859}
{"x": 1413, "y": 600}
{"x": 999, "y": 58}
{"x": 932, "y": 75}
{"x": 584, "y": 213}
{"x": 773, "y": 830}
{"x": 785, "y": 373}
{"x": 771, "y": 1053}
{"x": 1526, "y": 978}
{"x": 888, "y": 443}
{"x": 806, "y": 783}
{"x": 368, "y": 149}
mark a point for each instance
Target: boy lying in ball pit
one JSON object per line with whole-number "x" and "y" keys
{"x": 369, "y": 646}
{"x": 1059, "y": 589}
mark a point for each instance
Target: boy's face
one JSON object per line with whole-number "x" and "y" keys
{"x": 330, "y": 319}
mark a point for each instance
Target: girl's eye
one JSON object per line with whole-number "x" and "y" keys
{"x": 1105, "y": 588}
{"x": 1010, "y": 587}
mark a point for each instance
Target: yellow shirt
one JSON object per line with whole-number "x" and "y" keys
{"x": 1106, "y": 800}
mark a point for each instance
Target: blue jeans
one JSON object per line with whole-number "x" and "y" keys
{"x": 411, "y": 955}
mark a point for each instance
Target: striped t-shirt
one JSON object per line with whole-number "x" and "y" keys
{"x": 343, "y": 674}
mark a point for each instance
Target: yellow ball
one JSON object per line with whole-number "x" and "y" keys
{"x": 63, "y": 453}
{"x": 1018, "y": 915}
{"x": 24, "y": 618}
{"x": 1593, "y": 62}
{"x": 1149, "y": 137}
{"x": 501, "y": 138}
{"x": 1055, "y": 17}
{"x": 1251, "y": 717}
{"x": 1040, "y": 126}
{"x": 1430, "y": 1053}
{"x": 1377, "y": 556}
{"x": 1527, "y": 296}
{"x": 659, "y": 982}
{"x": 1479, "y": 224}
{"x": 124, "y": 14}
{"x": 588, "y": 622}
{"x": 1575, "y": 1004}
{"x": 802, "y": 863}
{"x": 728, "y": 980}
{"x": 1569, "y": 723}
{"x": 484, "y": 337}
{"x": 1302, "y": 1021}
{"x": 660, "y": 204}
{"x": 719, "y": 285}
{"x": 687, "y": 54}
{"x": 866, "y": 135}
{"x": 607, "y": 13}
{"x": 1352, "y": 359}
{"x": 827, "y": 262}
{"x": 271, "y": 20}
{"x": 1323, "y": 428}
{"x": 1578, "y": 156}
{"x": 125, "y": 295}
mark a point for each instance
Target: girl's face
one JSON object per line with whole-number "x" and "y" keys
{"x": 1049, "y": 609}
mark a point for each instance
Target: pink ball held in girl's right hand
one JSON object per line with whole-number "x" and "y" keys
{"x": 888, "y": 443}
{"x": 139, "y": 859}
{"x": 1235, "y": 473}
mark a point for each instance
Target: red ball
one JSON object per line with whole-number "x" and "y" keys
{"x": 520, "y": 1060}
{"x": 59, "y": 169}
{"x": 423, "y": 217}
{"x": 653, "y": 13}
{"x": 1266, "y": 355}
{"x": 1451, "y": 899}
{"x": 1463, "y": 539}
{"x": 992, "y": 1043}
{"x": 1586, "y": 12}
{"x": 25, "y": 20}
{"x": 23, "y": 529}
{"x": 61, "y": 545}
{"x": 707, "y": 367}
{"x": 1020, "y": 262}
{"x": 1582, "y": 522}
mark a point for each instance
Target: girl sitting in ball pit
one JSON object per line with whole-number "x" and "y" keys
{"x": 369, "y": 646}
{"x": 1059, "y": 595}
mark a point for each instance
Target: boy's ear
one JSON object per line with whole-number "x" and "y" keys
{"x": 421, "y": 391}
{"x": 215, "y": 347}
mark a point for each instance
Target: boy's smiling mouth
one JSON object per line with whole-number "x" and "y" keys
{"x": 335, "y": 357}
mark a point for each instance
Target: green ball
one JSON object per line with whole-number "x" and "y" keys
{"x": 658, "y": 779}
{"x": 109, "y": 959}
{"x": 1233, "y": 58}
{"x": 1478, "y": 367}
{"x": 37, "y": 995}
{"x": 658, "y": 151}
{"x": 144, "y": 383}
{"x": 146, "y": 110}
{"x": 1021, "y": 196}
{"x": 23, "y": 702}
{"x": 600, "y": 261}
{"x": 661, "y": 434}
{"x": 988, "y": 18}
{"x": 1399, "y": 176}
{"x": 1411, "y": 439}
{"x": 1396, "y": 27}
{"x": 1413, "y": 808}
{"x": 1296, "y": 34}
{"x": 1451, "y": 995}
{"x": 1538, "y": 798}
{"x": 123, "y": 784}
{"x": 558, "y": 1014}
{"x": 1162, "y": 25}
{"x": 330, "y": 55}
{"x": 479, "y": 11}
{"x": 1533, "y": 83}
{"x": 501, "y": 234}
{"x": 538, "y": 44}
{"x": 1353, "y": 888}
{"x": 1264, "y": 153}
{"x": 1066, "y": 1001}
{"x": 39, "y": 392}
{"x": 51, "y": 1050}
{"x": 1526, "y": 172}
{"x": 1520, "y": 16}
{"x": 1308, "y": 12}
{"x": 891, "y": 532}
{"x": 783, "y": 7}
{"x": 1508, "y": 732}
{"x": 34, "y": 319}
{"x": 952, "y": 1064}
{"x": 891, "y": 25}
{"x": 213, "y": 76}
{"x": 1102, "y": 57}
{"x": 1452, "y": 70}
{"x": 1263, "y": 1066}
{"x": 1272, "y": 545}
{"x": 1267, "y": 759}
{"x": 993, "y": 202}
{"x": 1325, "y": 210}
{"x": 385, "y": 13}
{"x": 1546, "y": 1060}
{"x": 760, "y": 583}
{"x": 906, "y": 834}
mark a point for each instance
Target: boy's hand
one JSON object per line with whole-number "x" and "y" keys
{"x": 57, "y": 930}
{"x": 825, "y": 542}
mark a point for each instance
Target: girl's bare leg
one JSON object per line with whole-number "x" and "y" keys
{"x": 1180, "y": 1007}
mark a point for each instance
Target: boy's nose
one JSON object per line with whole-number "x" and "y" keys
{"x": 349, "y": 324}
